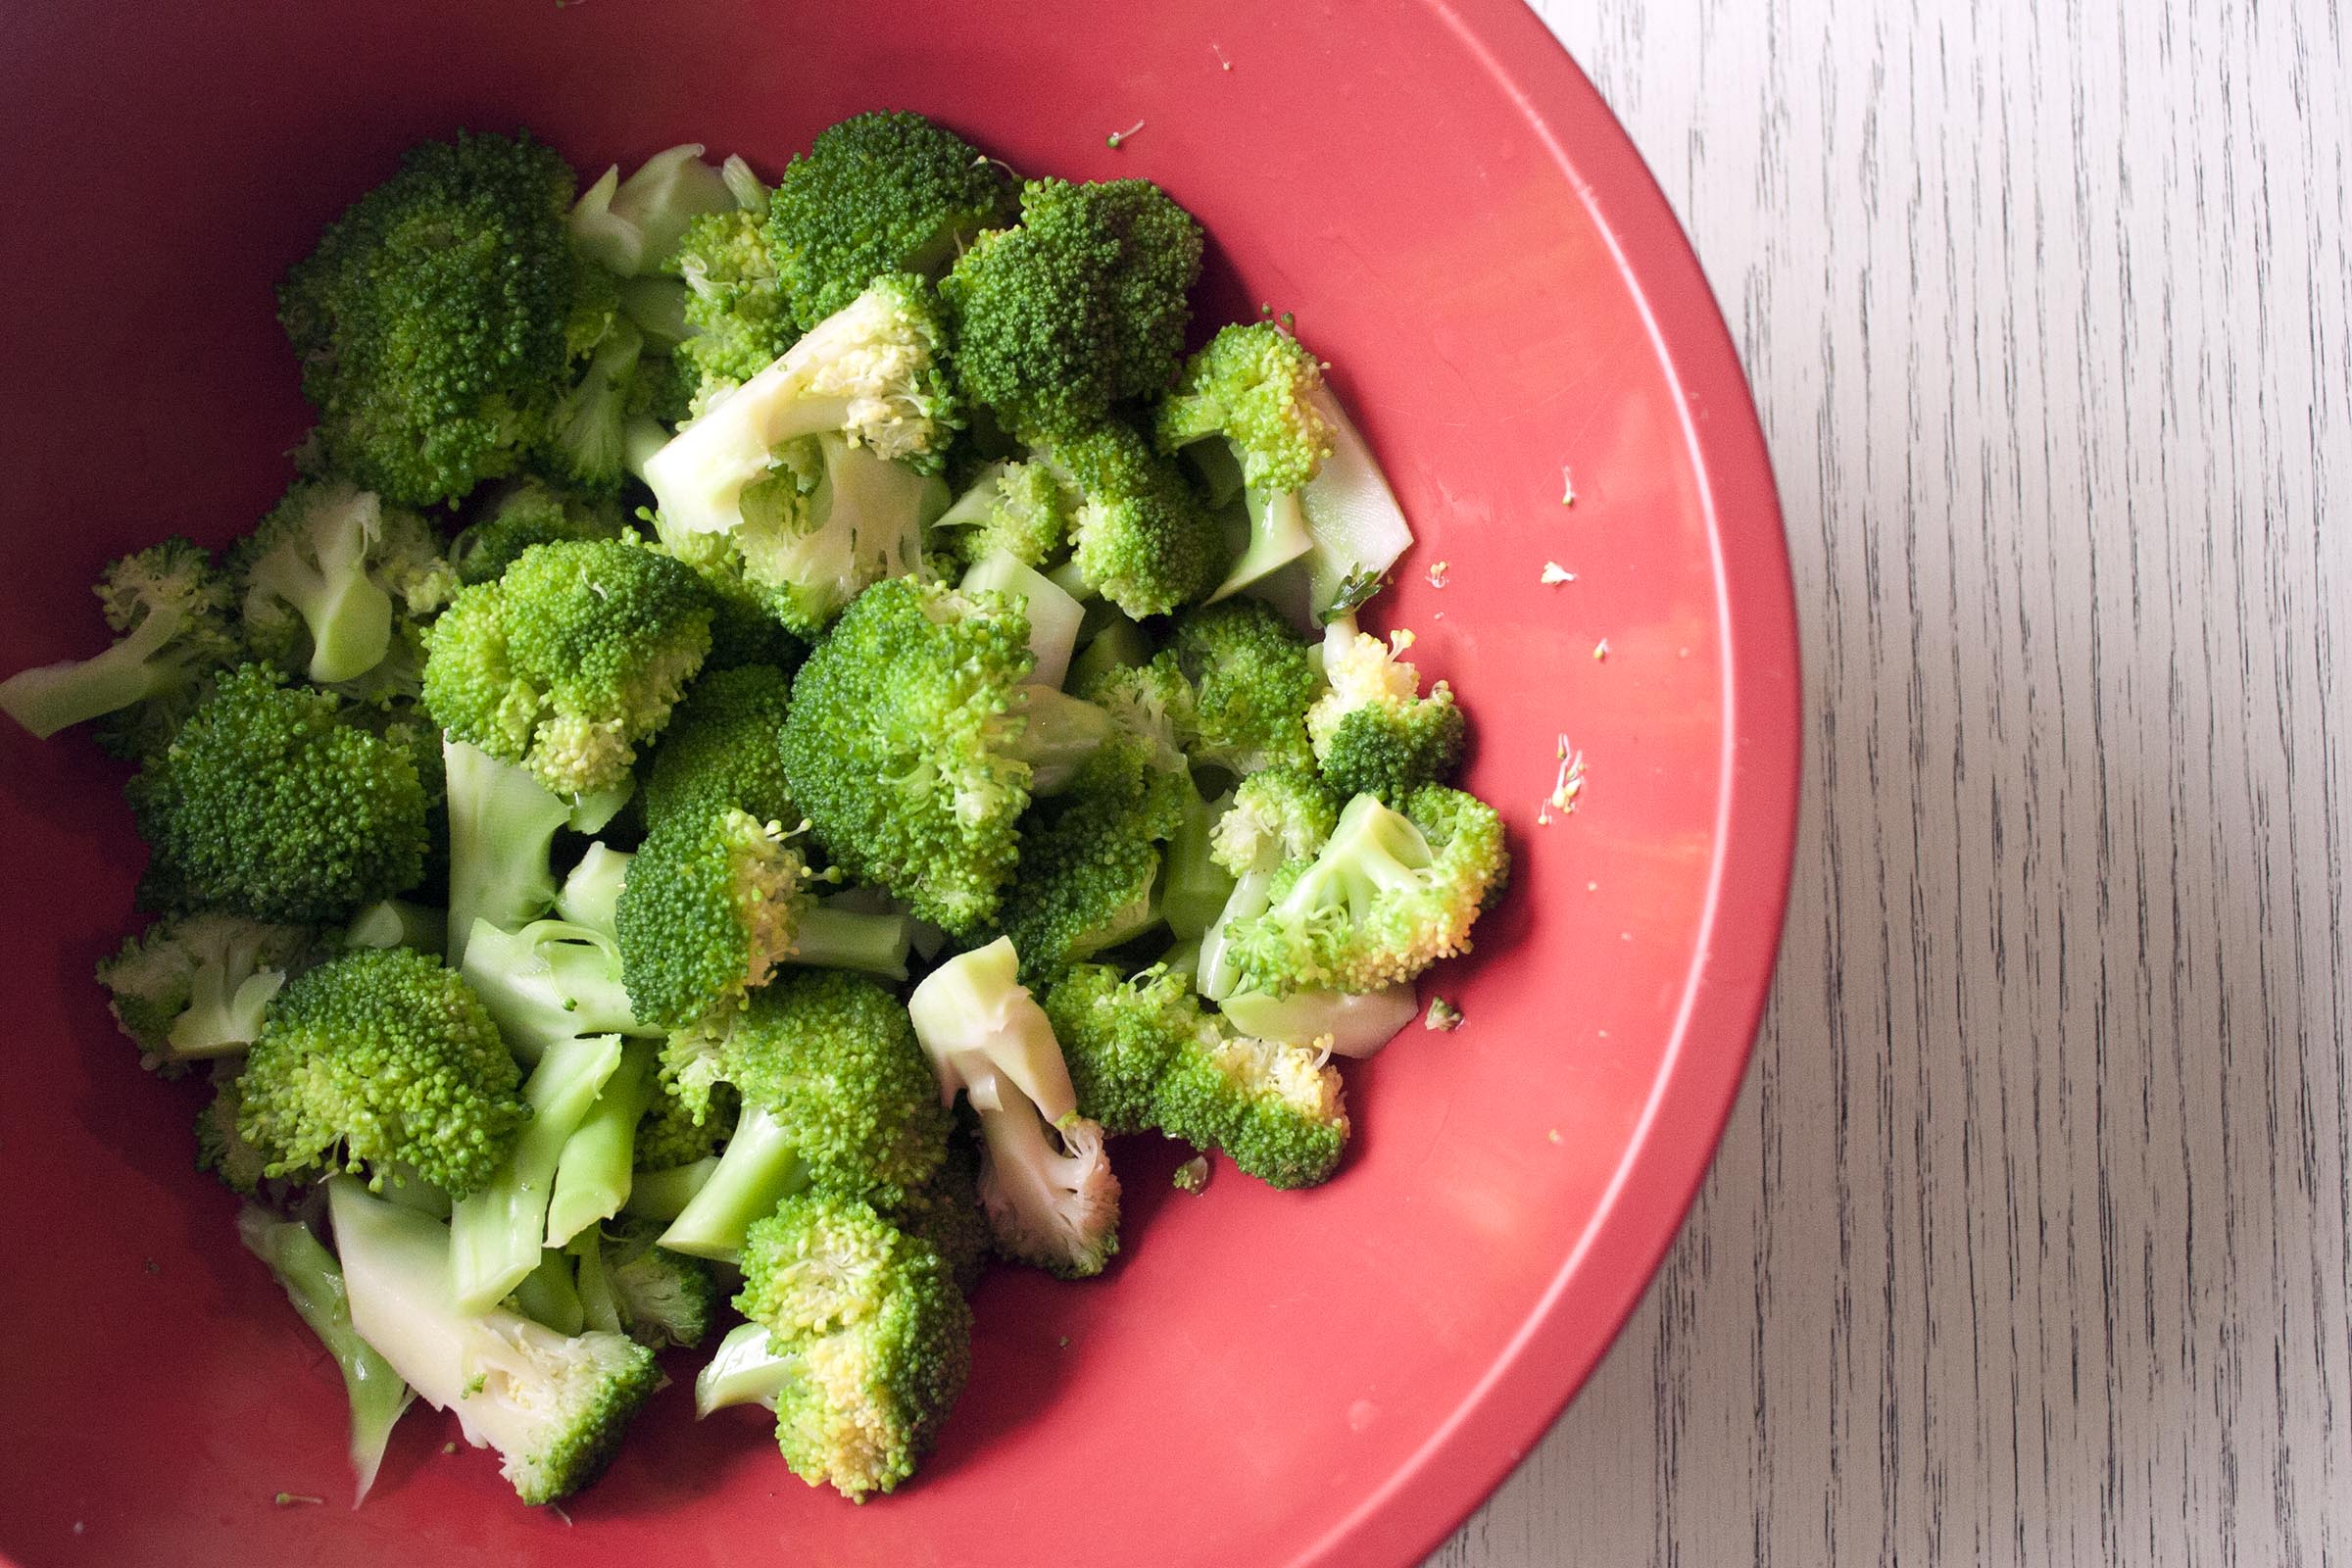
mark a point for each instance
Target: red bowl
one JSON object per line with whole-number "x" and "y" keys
{"x": 1331, "y": 1378}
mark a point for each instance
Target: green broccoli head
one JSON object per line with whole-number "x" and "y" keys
{"x": 381, "y": 1059}
{"x": 945, "y": 1211}
{"x": 169, "y": 608}
{"x": 195, "y": 986}
{"x": 1251, "y": 682}
{"x": 1019, "y": 510}
{"x": 531, "y": 512}
{"x": 271, "y": 805}
{"x": 1373, "y": 732}
{"x": 1158, "y": 248}
{"x": 735, "y": 304}
{"x": 1283, "y": 813}
{"x": 677, "y": 1130}
{"x": 884, "y": 192}
{"x": 723, "y": 746}
{"x": 328, "y": 578}
{"x": 709, "y": 909}
{"x": 877, "y": 1335}
{"x": 1389, "y": 894}
{"x": 661, "y": 1298}
{"x": 570, "y": 660}
{"x": 1254, "y": 385}
{"x": 436, "y": 320}
{"x": 1141, "y": 538}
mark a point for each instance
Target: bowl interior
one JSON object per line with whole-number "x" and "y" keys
{"x": 1330, "y": 1377}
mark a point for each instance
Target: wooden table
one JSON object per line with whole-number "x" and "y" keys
{"x": 2028, "y": 1243}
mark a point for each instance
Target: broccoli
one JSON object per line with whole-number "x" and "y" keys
{"x": 872, "y": 1337}
{"x": 271, "y": 805}
{"x": 437, "y": 320}
{"x": 886, "y": 192}
{"x": 331, "y": 583}
{"x": 170, "y": 606}
{"x": 1045, "y": 1180}
{"x": 678, "y": 1130}
{"x": 219, "y": 1150}
{"x": 1282, "y": 815}
{"x": 553, "y": 1406}
{"x": 592, "y": 1178}
{"x": 398, "y": 923}
{"x": 835, "y": 1096}
{"x": 569, "y": 662}
{"x": 549, "y": 982}
{"x": 1158, "y": 260}
{"x": 1140, "y": 537}
{"x": 735, "y": 305}
{"x": 1387, "y": 895}
{"x": 1255, "y": 386}
{"x": 630, "y": 1286}
{"x": 591, "y": 892}
{"x": 724, "y": 747}
{"x": 946, "y": 1212}
{"x": 588, "y": 429}
{"x": 1250, "y": 683}
{"x": 195, "y": 986}
{"x": 1373, "y": 733}
{"x": 1346, "y": 1023}
{"x": 314, "y": 1286}
{"x": 1194, "y": 889}
{"x": 1145, "y": 1055}
{"x": 1016, "y": 509}
{"x": 550, "y": 1294}
{"x": 529, "y": 511}
{"x": 910, "y": 740}
{"x": 498, "y": 1230}
{"x": 631, "y": 226}
{"x": 502, "y": 829}
{"x": 378, "y": 1059}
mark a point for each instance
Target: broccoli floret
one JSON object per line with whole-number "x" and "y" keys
{"x": 910, "y": 740}
{"x": 874, "y": 1337}
{"x": 679, "y": 1130}
{"x": 885, "y": 192}
{"x": 1145, "y": 1055}
{"x": 1015, "y": 508}
{"x": 1389, "y": 894}
{"x": 170, "y": 608}
{"x": 527, "y": 513}
{"x": 1281, "y": 814}
{"x": 734, "y": 302}
{"x": 314, "y": 1286}
{"x": 946, "y": 1212}
{"x": 498, "y": 1230}
{"x": 1255, "y": 386}
{"x": 553, "y": 1406}
{"x": 1140, "y": 537}
{"x": 631, "y": 227}
{"x": 195, "y": 986}
{"x": 436, "y": 320}
{"x": 219, "y": 1150}
{"x": 587, "y": 441}
{"x": 376, "y": 1059}
{"x": 1250, "y": 683}
{"x": 271, "y": 805}
{"x": 569, "y": 662}
{"x": 1158, "y": 260}
{"x": 710, "y": 906}
{"x": 1045, "y": 1180}
{"x": 657, "y": 1297}
{"x": 724, "y": 747}
{"x": 835, "y": 1096}
{"x": 329, "y": 580}
{"x": 1373, "y": 733}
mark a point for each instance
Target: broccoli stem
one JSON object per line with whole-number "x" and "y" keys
{"x": 827, "y": 938}
{"x": 221, "y": 1020}
{"x": 1372, "y": 851}
{"x": 1278, "y": 536}
{"x": 1193, "y": 887}
{"x": 1346, "y": 1023}
{"x": 497, "y": 1234}
{"x": 315, "y": 1285}
{"x": 592, "y": 1176}
{"x": 548, "y": 982}
{"x": 501, "y": 824}
{"x": 1058, "y": 736}
{"x": 1219, "y": 974}
{"x": 665, "y": 1194}
{"x": 592, "y": 892}
{"x": 600, "y": 1309}
{"x": 760, "y": 1169}
{"x": 744, "y": 1370}
{"x": 549, "y": 1295}
{"x": 398, "y": 923}
{"x": 47, "y": 698}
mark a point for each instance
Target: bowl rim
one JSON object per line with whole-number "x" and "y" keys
{"x": 1580, "y": 1314}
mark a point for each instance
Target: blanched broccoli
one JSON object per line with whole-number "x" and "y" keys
{"x": 498, "y": 1231}
{"x": 435, "y": 321}
{"x": 194, "y": 987}
{"x": 549, "y": 982}
{"x": 171, "y": 609}
{"x": 529, "y": 511}
{"x": 1387, "y": 895}
{"x": 331, "y": 583}
{"x": 910, "y": 745}
{"x": 569, "y": 662}
{"x": 1016, "y": 508}
{"x": 734, "y": 303}
{"x": 1278, "y": 815}
{"x": 1145, "y": 1055}
{"x": 1255, "y": 386}
{"x": 630, "y": 1286}
{"x": 502, "y": 829}
{"x": 1140, "y": 537}
{"x": 710, "y": 906}
{"x": 587, "y": 440}
{"x": 269, "y": 804}
{"x": 219, "y": 1148}
{"x": 1373, "y": 732}
{"x": 946, "y": 1212}
{"x": 631, "y": 226}
{"x": 1250, "y": 684}
{"x": 1045, "y": 1181}
{"x": 886, "y": 192}
{"x": 381, "y": 1061}
{"x": 553, "y": 1406}
{"x": 835, "y": 1096}
{"x": 594, "y": 1173}
{"x": 724, "y": 746}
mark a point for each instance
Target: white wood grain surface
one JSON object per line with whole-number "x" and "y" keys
{"x": 2028, "y": 1243}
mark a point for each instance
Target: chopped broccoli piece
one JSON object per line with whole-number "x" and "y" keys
{"x": 723, "y": 746}
{"x": 502, "y": 829}
{"x": 1346, "y": 1023}
{"x": 331, "y": 578}
{"x": 378, "y": 1059}
{"x": 241, "y": 1167}
{"x": 549, "y": 982}
{"x": 734, "y": 303}
{"x": 1373, "y": 733}
{"x": 1019, "y": 510}
{"x": 631, "y": 227}
{"x": 1251, "y": 684}
{"x": 708, "y": 911}
{"x": 499, "y": 1228}
{"x": 1283, "y": 813}
{"x": 527, "y": 513}
{"x": 1141, "y": 538}
{"x": 593, "y": 1173}
{"x": 946, "y": 1212}
{"x": 1255, "y": 386}
{"x": 195, "y": 986}
{"x": 398, "y": 923}
{"x": 658, "y": 1298}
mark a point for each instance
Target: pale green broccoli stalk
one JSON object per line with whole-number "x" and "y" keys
{"x": 592, "y": 1174}
{"x": 1345, "y": 1023}
{"x": 1255, "y": 386}
{"x": 1019, "y": 510}
{"x": 313, "y": 1283}
{"x": 1045, "y": 1178}
{"x": 1144, "y": 1056}
{"x": 549, "y": 982}
{"x": 1054, "y": 616}
{"x": 171, "y": 611}
{"x": 875, "y": 1337}
{"x": 438, "y": 317}
{"x": 591, "y": 893}
{"x": 499, "y": 1228}
{"x": 745, "y": 1369}
{"x": 656, "y": 1297}
{"x": 910, "y": 745}
{"x": 398, "y": 923}
{"x": 385, "y": 1062}
{"x": 1119, "y": 643}
{"x": 328, "y": 578}
{"x": 550, "y": 1294}
{"x": 527, "y": 513}
{"x": 835, "y": 1096}
{"x": 272, "y": 804}
{"x": 1390, "y": 894}
{"x": 1139, "y": 537}
{"x": 553, "y": 1406}
{"x": 630, "y": 228}
{"x": 194, "y": 987}
{"x": 1193, "y": 888}
{"x": 588, "y": 429}
{"x": 502, "y": 829}
{"x": 569, "y": 662}
{"x": 1373, "y": 732}
{"x": 883, "y": 192}
{"x": 662, "y": 1195}
{"x": 1282, "y": 815}
{"x": 1251, "y": 684}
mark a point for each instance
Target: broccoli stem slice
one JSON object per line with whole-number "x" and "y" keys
{"x": 600, "y": 1307}
{"x": 827, "y": 938}
{"x": 549, "y": 1295}
{"x": 1058, "y": 736}
{"x": 744, "y": 1370}
{"x": 307, "y": 1272}
{"x": 592, "y": 1175}
{"x": 1278, "y": 536}
{"x": 1347, "y": 1023}
{"x": 1054, "y": 616}
{"x": 1219, "y": 972}
{"x": 665, "y": 1194}
{"x": 501, "y": 822}
{"x": 759, "y": 1170}
{"x": 1193, "y": 887}
{"x": 547, "y": 982}
{"x": 1372, "y": 851}
{"x": 496, "y": 1233}
{"x": 50, "y": 697}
